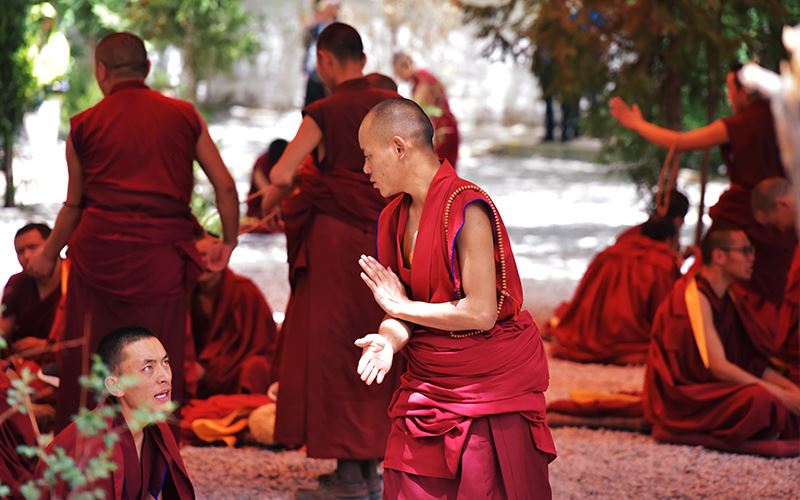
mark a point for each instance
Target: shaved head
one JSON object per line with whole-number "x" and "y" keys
{"x": 123, "y": 54}
{"x": 343, "y": 41}
{"x": 767, "y": 193}
{"x": 401, "y": 117}
{"x": 717, "y": 236}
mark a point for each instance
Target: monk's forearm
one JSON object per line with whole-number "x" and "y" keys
{"x": 777, "y": 379}
{"x": 396, "y": 332}
{"x": 273, "y": 196}
{"x": 66, "y": 222}
{"x": 228, "y": 206}
{"x": 659, "y": 136}
{"x": 458, "y": 315}
{"x": 728, "y": 372}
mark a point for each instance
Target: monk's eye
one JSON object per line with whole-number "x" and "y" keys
{"x": 147, "y": 368}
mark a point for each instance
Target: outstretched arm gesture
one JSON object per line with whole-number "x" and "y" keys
{"x": 378, "y": 349}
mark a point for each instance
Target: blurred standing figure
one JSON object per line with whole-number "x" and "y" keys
{"x": 428, "y": 92}
{"x": 325, "y": 12}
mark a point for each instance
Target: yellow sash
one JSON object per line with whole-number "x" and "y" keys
{"x": 692, "y": 296}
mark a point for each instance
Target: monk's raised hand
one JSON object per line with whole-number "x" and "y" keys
{"x": 376, "y": 358}
{"x": 386, "y": 287}
{"x": 40, "y": 265}
{"x": 627, "y": 116}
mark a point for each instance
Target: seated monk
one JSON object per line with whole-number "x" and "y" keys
{"x": 260, "y": 176}
{"x": 706, "y": 382}
{"x": 773, "y": 205}
{"x": 233, "y": 333}
{"x": 609, "y": 318}
{"x": 147, "y": 459}
{"x": 30, "y": 303}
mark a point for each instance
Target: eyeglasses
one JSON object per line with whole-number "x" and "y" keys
{"x": 745, "y": 250}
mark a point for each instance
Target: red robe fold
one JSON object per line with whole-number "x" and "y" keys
{"x": 787, "y": 339}
{"x": 685, "y": 403}
{"x": 160, "y": 472}
{"x": 16, "y": 430}
{"x": 133, "y": 256}
{"x": 750, "y": 156}
{"x": 236, "y": 345}
{"x": 323, "y": 403}
{"x": 33, "y": 315}
{"x": 457, "y": 390}
{"x": 609, "y": 318}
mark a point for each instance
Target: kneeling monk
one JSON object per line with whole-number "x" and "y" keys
{"x": 470, "y": 409}
{"x": 706, "y": 383}
{"x": 148, "y": 460}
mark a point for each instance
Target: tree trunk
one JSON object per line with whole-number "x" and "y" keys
{"x": 8, "y": 160}
{"x": 671, "y": 90}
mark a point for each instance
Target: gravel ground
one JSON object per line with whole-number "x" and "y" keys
{"x": 591, "y": 463}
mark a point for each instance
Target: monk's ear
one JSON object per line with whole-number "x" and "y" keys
{"x": 400, "y": 146}
{"x": 112, "y": 386}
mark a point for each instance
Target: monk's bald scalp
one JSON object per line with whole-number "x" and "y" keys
{"x": 123, "y": 54}
{"x": 719, "y": 235}
{"x": 341, "y": 40}
{"x": 404, "y": 118}
{"x": 766, "y": 194}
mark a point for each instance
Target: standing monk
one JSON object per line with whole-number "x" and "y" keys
{"x": 707, "y": 383}
{"x": 429, "y": 93}
{"x": 749, "y": 149}
{"x": 322, "y": 403}
{"x": 469, "y": 415}
{"x": 127, "y": 218}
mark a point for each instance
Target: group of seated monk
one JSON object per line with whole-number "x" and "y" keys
{"x": 718, "y": 372}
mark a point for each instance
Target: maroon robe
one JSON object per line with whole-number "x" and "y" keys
{"x": 787, "y": 339}
{"x": 263, "y": 165}
{"x": 750, "y": 156}
{"x": 159, "y": 472}
{"x": 236, "y": 344}
{"x": 323, "y": 403}
{"x": 16, "y": 430}
{"x": 133, "y": 255}
{"x": 445, "y": 126}
{"x": 469, "y": 415}
{"x": 609, "y": 318}
{"x": 33, "y": 315}
{"x": 686, "y": 403}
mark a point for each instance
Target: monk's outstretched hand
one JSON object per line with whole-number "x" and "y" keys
{"x": 385, "y": 285}
{"x": 218, "y": 256}
{"x": 627, "y": 116}
{"x": 40, "y": 265}
{"x": 376, "y": 358}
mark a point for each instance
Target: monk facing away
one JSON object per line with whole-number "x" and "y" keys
{"x": 774, "y": 205}
{"x": 147, "y": 459}
{"x": 610, "y": 315}
{"x": 127, "y": 218}
{"x": 322, "y": 402}
{"x": 469, "y": 415}
{"x": 233, "y": 333}
{"x": 29, "y": 301}
{"x": 706, "y": 382}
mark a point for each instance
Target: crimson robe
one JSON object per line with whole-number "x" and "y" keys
{"x": 446, "y": 137}
{"x": 262, "y": 164}
{"x": 751, "y": 155}
{"x": 686, "y": 403}
{"x": 16, "y": 430}
{"x": 787, "y": 339}
{"x": 609, "y": 318}
{"x": 323, "y": 403}
{"x": 464, "y": 405}
{"x": 236, "y": 344}
{"x": 133, "y": 256}
{"x": 33, "y": 315}
{"x": 159, "y": 472}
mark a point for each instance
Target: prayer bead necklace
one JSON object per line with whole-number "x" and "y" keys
{"x": 503, "y": 275}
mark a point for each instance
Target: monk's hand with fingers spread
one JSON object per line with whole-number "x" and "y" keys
{"x": 385, "y": 285}
{"x": 218, "y": 256}
{"x": 376, "y": 358}
{"x": 40, "y": 264}
{"x": 627, "y": 116}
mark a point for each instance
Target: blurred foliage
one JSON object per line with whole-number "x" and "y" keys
{"x": 18, "y": 89}
{"x": 669, "y": 57}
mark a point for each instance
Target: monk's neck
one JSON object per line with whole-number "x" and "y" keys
{"x": 718, "y": 281}
{"x": 348, "y": 74}
{"x": 419, "y": 185}
{"x": 46, "y": 286}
